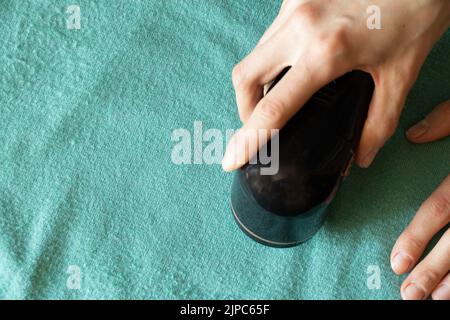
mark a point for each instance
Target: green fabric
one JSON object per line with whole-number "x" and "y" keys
{"x": 86, "y": 177}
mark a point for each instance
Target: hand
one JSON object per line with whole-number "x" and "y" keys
{"x": 431, "y": 275}
{"x": 323, "y": 40}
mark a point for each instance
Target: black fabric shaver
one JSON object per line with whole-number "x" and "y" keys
{"x": 316, "y": 149}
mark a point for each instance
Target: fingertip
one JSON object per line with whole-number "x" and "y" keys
{"x": 368, "y": 145}
{"x": 227, "y": 161}
{"x": 401, "y": 263}
{"x": 227, "y": 167}
{"x": 364, "y": 160}
{"x": 236, "y": 153}
{"x": 413, "y": 292}
{"x": 360, "y": 164}
{"x": 417, "y": 131}
{"x": 435, "y": 126}
{"x": 358, "y": 159}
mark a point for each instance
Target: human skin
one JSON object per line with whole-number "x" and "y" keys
{"x": 322, "y": 40}
{"x": 431, "y": 275}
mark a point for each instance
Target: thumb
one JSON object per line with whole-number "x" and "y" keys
{"x": 435, "y": 126}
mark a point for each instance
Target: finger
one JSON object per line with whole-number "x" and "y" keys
{"x": 278, "y": 106}
{"x": 429, "y": 272}
{"x": 434, "y": 127}
{"x": 382, "y": 119}
{"x": 433, "y": 215}
{"x": 262, "y": 65}
{"x": 442, "y": 291}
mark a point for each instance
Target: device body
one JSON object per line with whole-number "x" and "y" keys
{"x": 316, "y": 148}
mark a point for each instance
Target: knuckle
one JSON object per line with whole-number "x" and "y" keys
{"x": 428, "y": 277}
{"x": 334, "y": 44}
{"x": 439, "y": 207}
{"x": 270, "y": 111}
{"x": 413, "y": 241}
{"x": 306, "y": 13}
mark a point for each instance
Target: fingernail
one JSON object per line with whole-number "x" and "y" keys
{"x": 368, "y": 159}
{"x": 418, "y": 130}
{"x": 413, "y": 292}
{"x": 401, "y": 263}
{"x": 442, "y": 292}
